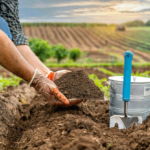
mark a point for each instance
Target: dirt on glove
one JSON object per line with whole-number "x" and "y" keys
{"x": 77, "y": 84}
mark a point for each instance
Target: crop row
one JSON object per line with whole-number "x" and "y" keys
{"x": 102, "y": 39}
{"x": 63, "y": 24}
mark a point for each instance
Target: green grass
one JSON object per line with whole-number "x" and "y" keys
{"x": 139, "y": 28}
{"x": 76, "y": 64}
{"x": 12, "y": 81}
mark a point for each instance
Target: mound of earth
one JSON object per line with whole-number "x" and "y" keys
{"x": 76, "y": 84}
{"x": 84, "y": 127}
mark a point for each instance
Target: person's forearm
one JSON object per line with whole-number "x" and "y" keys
{"x": 11, "y": 59}
{"x": 32, "y": 59}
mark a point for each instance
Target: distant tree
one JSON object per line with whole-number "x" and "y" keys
{"x": 74, "y": 53}
{"x": 135, "y": 23}
{"x": 148, "y": 23}
{"x": 41, "y": 48}
{"x": 60, "y": 52}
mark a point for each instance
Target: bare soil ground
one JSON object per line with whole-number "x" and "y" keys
{"x": 10, "y": 104}
{"x": 39, "y": 126}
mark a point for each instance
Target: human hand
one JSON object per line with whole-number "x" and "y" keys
{"x": 48, "y": 89}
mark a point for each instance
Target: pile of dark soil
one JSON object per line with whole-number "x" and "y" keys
{"x": 77, "y": 84}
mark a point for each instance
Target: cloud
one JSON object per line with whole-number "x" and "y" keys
{"x": 70, "y": 4}
{"x": 86, "y": 10}
{"x": 82, "y": 3}
{"x": 130, "y": 7}
{"x": 60, "y": 16}
{"x": 141, "y": 8}
{"x": 146, "y": 10}
{"x": 102, "y": 5}
{"x": 105, "y": 9}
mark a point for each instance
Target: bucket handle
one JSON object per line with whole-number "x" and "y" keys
{"x": 112, "y": 86}
{"x": 134, "y": 78}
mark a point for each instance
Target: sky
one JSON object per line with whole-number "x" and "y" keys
{"x": 90, "y": 11}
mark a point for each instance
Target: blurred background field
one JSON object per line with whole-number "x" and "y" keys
{"x": 99, "y": 43}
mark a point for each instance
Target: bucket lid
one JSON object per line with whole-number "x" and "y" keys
{"x": 134, "y": 79}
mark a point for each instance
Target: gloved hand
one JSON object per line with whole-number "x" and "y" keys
{"x": 56, "y": 75}
{"x": 48, "y": 89}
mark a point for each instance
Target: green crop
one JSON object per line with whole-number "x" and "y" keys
{"x": 41, "y": 48}
{"x": 105, "y": 71}
{"x": 60, "y": 52}
{"x": 12, "y": 81}
{"x": 77, "y": 64}
{"x": 74, "y": 53}
{"x": 144, "y": 74}
{"x": 99, "y": 83}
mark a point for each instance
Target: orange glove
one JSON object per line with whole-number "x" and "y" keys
{"x": 56, "y": 75}
{"x": 50, "y": 75}
{"x": 59, "y": 95}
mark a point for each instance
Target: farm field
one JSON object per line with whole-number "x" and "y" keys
{"x": 102, "y": 43}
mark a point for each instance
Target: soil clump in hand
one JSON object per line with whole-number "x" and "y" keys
{"x": 77, "y": 84}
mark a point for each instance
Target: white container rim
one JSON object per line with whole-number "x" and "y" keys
{"x": 134, "y": 79}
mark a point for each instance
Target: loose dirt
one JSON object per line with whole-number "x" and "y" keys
{"x": 39, "y": 126}
{"x": 77, "y": 84}
{"x": 10, "y": 102}
{"x": 82, "y": 127}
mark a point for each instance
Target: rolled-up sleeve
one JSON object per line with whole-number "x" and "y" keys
{"x": 9, "y": 11}
{"x": 18, "y": 37}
